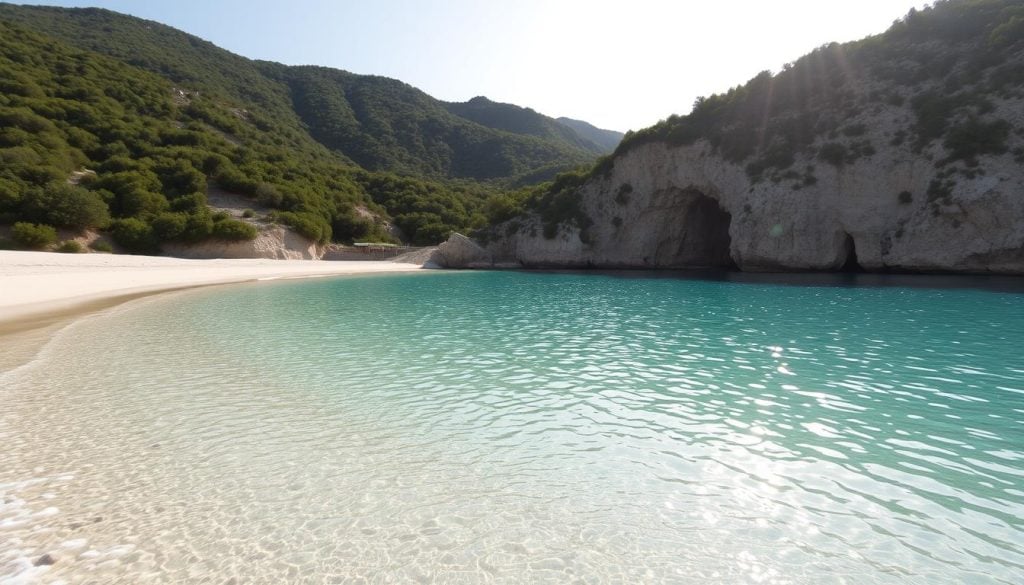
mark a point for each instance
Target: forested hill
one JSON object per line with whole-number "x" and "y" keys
{"x": 519, "y": 120}
{"x": 384, "y": 124}
{"x": 144, "y": 119}
{"x": 143, "y": 153}
{"x": 380, "y": 123}
{"x": 607, "y": 140}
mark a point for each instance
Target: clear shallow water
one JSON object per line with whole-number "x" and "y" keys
{"x": 517, "y": 427}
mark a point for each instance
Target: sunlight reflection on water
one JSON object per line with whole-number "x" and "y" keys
{"x": 518, "y": 427}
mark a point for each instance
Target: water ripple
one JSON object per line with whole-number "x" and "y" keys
{"x": 508, "y": 428}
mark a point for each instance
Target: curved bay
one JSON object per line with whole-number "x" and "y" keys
{"x": 513, "y": 427}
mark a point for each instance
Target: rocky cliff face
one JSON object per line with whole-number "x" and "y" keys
{"x": 901, "y": 152}
{"x": 688, "y": 209}
{"x": 665, "y": 207}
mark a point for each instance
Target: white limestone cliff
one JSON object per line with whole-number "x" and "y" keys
{"x": 673, "y": 207}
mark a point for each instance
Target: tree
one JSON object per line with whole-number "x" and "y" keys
{"x": 135, "y": 235}
{"x": 33, "y": 236}
{"x": 65, "y": 205}
{"x": 234, "y": 230}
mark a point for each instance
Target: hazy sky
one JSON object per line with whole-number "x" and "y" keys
{"x": 620, "y": 64}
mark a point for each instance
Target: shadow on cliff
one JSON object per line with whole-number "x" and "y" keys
{"x": 706, "y": 241}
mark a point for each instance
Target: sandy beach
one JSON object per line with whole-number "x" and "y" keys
{"x": 39, "y": 290}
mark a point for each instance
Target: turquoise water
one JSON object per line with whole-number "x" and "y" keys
{"x": 524, "y": 427}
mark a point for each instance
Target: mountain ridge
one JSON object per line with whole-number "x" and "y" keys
{"x": 160, "y": 116}
{"x": 522, "y": 120}
{"x": 479, "y": 152}
{"x": 606, "y": 139}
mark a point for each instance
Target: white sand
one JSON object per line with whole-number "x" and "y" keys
{"x": 36, "y": 283}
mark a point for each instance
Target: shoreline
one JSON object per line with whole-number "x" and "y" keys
{"x": 42, "y": 292}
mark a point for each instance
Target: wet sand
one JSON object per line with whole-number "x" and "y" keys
{"x": 41, "y": 291}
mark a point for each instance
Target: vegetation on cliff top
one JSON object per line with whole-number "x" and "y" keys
{"x": 946, "y": 63}
{"x": 949, "y": 61}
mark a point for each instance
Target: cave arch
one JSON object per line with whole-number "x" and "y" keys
{"x": 705, "y": 241}
{"x": 851, "y": 264}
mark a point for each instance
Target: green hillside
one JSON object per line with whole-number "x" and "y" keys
{"x": 607, "y": 140}
{"x": 525, "y": 121}
{"x": 159, "y": 115}
{"x": 155, "y": 148}
{"x": 380, "y": 123}
{"x": 384, "y": 124}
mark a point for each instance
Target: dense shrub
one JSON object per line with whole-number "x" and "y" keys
{"x": 169, "y": 226}
{"x": 350, "y": 227}
{"x": 268, "y": 195}
{"x": 306, "y": 224}
{"x": 33, "y": 236}
{"x": 198, "y": 226}
{"x": 833, "y": 153}
{"x": 134, "y": 235}
{"x": 502, "y": 208}
{"x": 70, "y": 247}
{"x": 234, "y": 230}
{"x": 65, "y": 206}
{"x": 10, "y": 195}
{"x": 102, "y": 246}
{"x": 855, "y": 130}
{"x": 558, "y": 204}
{"x": 432, "y": 234}
{"x": 140, "y": 203}
{"x": 179, "y": 177}
{"x": 974, "y": 137}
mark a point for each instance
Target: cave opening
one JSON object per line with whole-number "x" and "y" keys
{"x": 706, "y": 239}
{"x": 851, "y": 264}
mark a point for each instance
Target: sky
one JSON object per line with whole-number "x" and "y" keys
{"x": 618, "y": 64}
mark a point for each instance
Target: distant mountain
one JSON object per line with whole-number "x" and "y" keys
{"x": 606, "y": 139}
{"x": 525, "y": 121}
{"x": 384, "y": 124}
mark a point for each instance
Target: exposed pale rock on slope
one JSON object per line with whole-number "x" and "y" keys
{"x": 273, "y": 242}
{"x": 460, "y": 252}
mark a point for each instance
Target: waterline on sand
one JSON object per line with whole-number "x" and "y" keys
{"x": 511, "y": 427}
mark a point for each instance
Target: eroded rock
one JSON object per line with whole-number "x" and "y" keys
{"x": 45, "y": 560}
{"x": 686, "y": 206}
{"x": 461, "y": 252}
{"x": 273, "y": 242}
